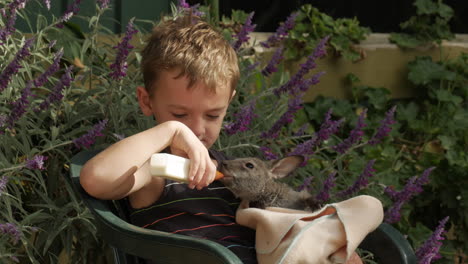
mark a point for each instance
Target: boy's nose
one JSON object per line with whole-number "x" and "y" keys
{"x": 198, "y": 128}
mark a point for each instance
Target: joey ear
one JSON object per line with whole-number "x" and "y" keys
{"x": 232, "y": 95}
{"x": 282, "y": 167}
{"x": 144, "y": 101}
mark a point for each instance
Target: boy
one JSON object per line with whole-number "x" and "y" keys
{"x": 190, "y": 73}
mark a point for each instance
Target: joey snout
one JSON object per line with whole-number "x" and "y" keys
{"x": 243, "y": 177}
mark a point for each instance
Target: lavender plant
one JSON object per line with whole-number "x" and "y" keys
{"x": 342, "y": 154}
{"x": 55, "y": 102}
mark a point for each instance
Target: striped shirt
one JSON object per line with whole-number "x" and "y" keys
{"x": 208, "y": 213}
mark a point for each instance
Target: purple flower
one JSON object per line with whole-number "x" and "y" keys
{"x": 302, "y": 130}
{"x": 328, "y": 184}
{"x": 52, "y": 44}
{"x": 36, "y": 162}
{"x": 305, "y": 184}
{"x": 54, "y": 67}
{"x": 327, "y": 128}
{"x": 306, "y": 148}
{"x": 10, "y": 18}
{"x": 251, "y": 67}
{"x": 297, "y": 79}
{"x": 294, "y": 104}
{"x": 412, "y": 187}
{"x": 385, "y": 127}
{"x": 9, "y": 28}
{"x": 429, "y": 251}
{"x": 354, "y": 136}
{"x": 89, "y": 138}
{"x": 72, "y": 10}
{"x": 12, "y": 230}
{"x": 243, "y": 118}
{"x": 3, "y": 120}
{"x": 243, "y": 35}
{"x": 361, "y": 182}
{"x": 103, "y": 3}
{"x": 119, "y": 67}
{"x": 47, "y": 4}
{"x": 306, "y": 84}
{"x": 14, "y": 66}
{"x": 20, "y": 105}
{"x": 56, "y": 94}
{"x": 15, "y": 259}
{"x": 3, "y": 184}
{"x": 118, "y": 136}
{"x": 281, "y": 32}
{"x": 184, "y": 7}
{"x": 183, "y": 4}
{"x": 275, "y": 60}
{"x": 268, "y": 153}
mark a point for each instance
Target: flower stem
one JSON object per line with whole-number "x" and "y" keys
{"x": 56, "y": 146}
{"x": 12, "y": 168}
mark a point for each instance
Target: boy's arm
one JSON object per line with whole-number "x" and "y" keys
{"x": 115, "y": 172}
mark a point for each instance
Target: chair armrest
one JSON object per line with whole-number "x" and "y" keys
{"x": 141, "y": 242}
{"x": 389, "y": 246}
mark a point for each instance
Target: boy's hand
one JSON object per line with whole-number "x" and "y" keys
{"x": 202, "y": 169}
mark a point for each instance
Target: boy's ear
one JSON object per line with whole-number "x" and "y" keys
{"x": 281, "y": 168}
{"x": 144, "y": 101}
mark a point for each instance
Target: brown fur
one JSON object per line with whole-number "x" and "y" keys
{"x": 253, "y": 180}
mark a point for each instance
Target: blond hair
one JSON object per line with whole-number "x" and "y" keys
{"x": 193, "y": 47}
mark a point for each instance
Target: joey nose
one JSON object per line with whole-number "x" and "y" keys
{"x": 223, "y": 164}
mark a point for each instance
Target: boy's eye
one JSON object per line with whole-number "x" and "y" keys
{"x": 179, "y": 115}
{"x": 213, "y": 116}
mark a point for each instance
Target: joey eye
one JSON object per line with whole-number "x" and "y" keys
{"x": 249, "y": 165}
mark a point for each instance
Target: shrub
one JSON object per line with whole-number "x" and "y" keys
{"x": 63, "y": 91}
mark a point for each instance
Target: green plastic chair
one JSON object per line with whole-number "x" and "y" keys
{"x": 132, "y": 244}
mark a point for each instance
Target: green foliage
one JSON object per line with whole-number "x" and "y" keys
{"x": 41, "y": 203}
{"x": 53, "y": 222}
{"x": 429, "y": 25}
{"x": 431, "y": 131}
{"x": 313, "y": 25}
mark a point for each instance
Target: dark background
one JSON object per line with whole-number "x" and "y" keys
{"x": 379, "y": 16}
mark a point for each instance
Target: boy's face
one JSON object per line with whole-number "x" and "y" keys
{"x": 198, "y": 108}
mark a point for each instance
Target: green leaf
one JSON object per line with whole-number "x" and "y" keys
{"x": 378, "y": 97}
{"x": 405, "y": 40}
{"x": 446, "y": 96}
{"x": 352, "y": 78}
{"x": 446, "y": 141}
{"x": 426, "y": 7}
{"x": 54, "y": 132}
{"x": 423, "y": 70}
{"x": 445, "y": 11}
{"x": 408, "y": 112}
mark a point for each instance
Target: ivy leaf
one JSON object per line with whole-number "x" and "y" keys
{"x": 423, "y": 71}
{"x": 405, "y": 40}
{"x": 461, "y": 119}
{"x": 446, "y": 141}
{"x": 446, "y": 96}
{"x": 408, "y": 112}
{"x": 445, "y": 11}
{"x": 378, "y": 97}
{"x": 425, "y": 7}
